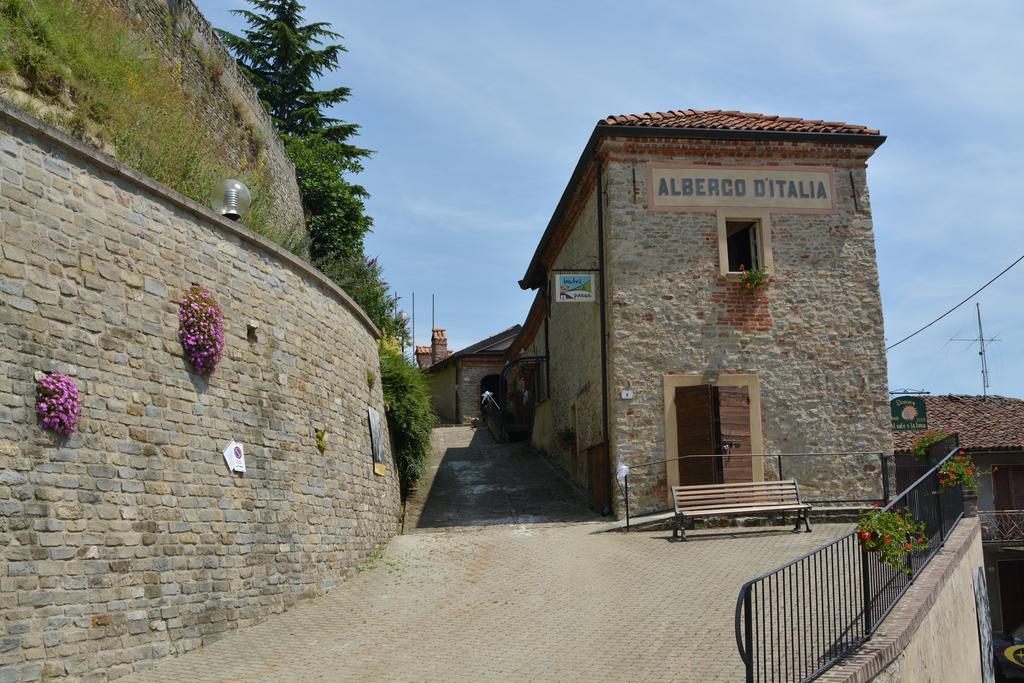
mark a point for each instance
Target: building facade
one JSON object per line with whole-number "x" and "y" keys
{"x": 991, "y": 430}
{"x": 458, "y": 380}
{"x": 669, "y": 353}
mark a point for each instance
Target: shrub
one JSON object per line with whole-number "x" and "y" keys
{"x": 201, "y": 329}
{"x": 410, "y": 417}
{"x": 926, "y": 440}
{"x": 57, "y": 403}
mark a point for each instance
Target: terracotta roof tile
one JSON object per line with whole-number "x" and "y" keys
{"x": 992, "y": 423}
{"x": 716, "y": 119}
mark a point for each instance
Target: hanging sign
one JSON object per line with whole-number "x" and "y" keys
{"x": 908, "y": 414}
{"x": 676, "y": 187}
{"x": 234, "y": 456}
{"x": 574, "y": 287}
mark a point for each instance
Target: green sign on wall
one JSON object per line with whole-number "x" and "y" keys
{"x": 908, "y": 413}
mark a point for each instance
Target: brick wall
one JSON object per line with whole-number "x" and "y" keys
{"x": 469, "y": 374}
{"x": 129, "y": 540}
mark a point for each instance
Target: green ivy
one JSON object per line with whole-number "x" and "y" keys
{"x": 410, "y": 417}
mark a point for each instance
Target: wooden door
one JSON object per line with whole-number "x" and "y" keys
{"x": 1011, "y": 593}
{"x": 697, "y": 434}
{"x": 597, "y": 460}
{"x": 734, "y": 441}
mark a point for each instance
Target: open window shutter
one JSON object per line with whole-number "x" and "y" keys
{"x": 697, "y": 434}
{"x": 734, "y": 428}
{"x": 1003, "y": 489}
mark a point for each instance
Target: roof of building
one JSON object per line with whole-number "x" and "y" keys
{"x": 714, "y": 124}
{"x": 495, "y": 345}
{"x": 985, "y": 423}
{"x": 717, "y": 119}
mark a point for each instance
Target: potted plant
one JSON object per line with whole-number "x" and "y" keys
{"x": 893, "y": 535}
{"x": 57, "y": 402}
{"x": 753, "y": 279}
{"x": 566, "y": 438}
{"x": 959, "y": 469}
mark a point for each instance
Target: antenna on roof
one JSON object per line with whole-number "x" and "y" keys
{"x": 984, "y": 357}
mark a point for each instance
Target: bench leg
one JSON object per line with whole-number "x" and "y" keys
{"x": 796, "y": 526}
{"x": 807, "y": 521}
{"x": 679, "y": 532}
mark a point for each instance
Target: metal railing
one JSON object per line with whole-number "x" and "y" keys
{"x": 778, "y": 458}
{"x": 1001, "y": 526}
{"x": 795, "y": 622}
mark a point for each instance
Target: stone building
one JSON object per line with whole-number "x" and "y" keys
{"x": 457, "y": 380}
{"x": 648, "y": 343}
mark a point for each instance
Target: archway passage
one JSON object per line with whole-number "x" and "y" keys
{"x": 491, "y": 383}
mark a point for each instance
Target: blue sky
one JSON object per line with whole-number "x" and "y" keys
{"x": 479, "y": 111}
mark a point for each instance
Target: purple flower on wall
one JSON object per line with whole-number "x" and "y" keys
{"x": 57, "y": 403}
{"x": 201, "y": 329}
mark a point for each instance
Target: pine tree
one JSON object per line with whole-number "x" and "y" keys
{"x": 283, "y": 58}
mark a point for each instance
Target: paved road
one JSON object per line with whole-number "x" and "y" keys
{"x": 464, "y": 596}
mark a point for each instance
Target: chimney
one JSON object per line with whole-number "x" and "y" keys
{"x": 423, "y": 357}
{"x": 438, "y": 345}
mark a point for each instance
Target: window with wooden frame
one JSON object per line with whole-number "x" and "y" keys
{"x": 744, "y": 242}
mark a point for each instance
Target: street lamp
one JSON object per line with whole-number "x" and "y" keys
{"x": 231, "y": 199}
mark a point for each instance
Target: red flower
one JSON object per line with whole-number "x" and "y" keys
{"x": 742, "y": 267}
{"x": 970, "y": 471}
{"x": 888, "y": 539}
{"x": 906, "y": 546}
{"x": 921, "y": 539}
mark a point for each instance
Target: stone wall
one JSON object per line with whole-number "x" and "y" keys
{"x": 228, "y": 99}
{"x": 814, "y": 337}
{"x": 574, "y": 335}
{"x": 129, "y": 540}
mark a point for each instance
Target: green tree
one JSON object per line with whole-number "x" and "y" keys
{"x": 363, "y": 279}
{"x": 335, "y": 211}
{"x": 284, "y": 58}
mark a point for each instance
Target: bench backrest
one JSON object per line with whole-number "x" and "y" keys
{"x": 743, "y": 494}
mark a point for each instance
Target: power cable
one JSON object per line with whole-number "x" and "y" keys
{"x": 974, "y": 294}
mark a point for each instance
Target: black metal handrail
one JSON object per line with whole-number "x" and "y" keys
{"x": 796, "y": 621}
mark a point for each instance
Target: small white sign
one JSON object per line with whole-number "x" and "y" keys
{"x": 234, "y": 456}
{"x": 574, "y": 287}
{"x": 627, "y": 394}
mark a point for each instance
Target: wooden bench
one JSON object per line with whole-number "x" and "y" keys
{"x": 719, "y": 500}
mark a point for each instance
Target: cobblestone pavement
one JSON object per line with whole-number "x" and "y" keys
{"x": 533, "y": 602}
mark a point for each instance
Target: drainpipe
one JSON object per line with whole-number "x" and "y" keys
{"x": 604, "y": 333}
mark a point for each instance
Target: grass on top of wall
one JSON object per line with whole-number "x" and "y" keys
{"x": 80, "y": 66}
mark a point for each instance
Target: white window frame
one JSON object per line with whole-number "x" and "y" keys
{"x": 764, "y": 228}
